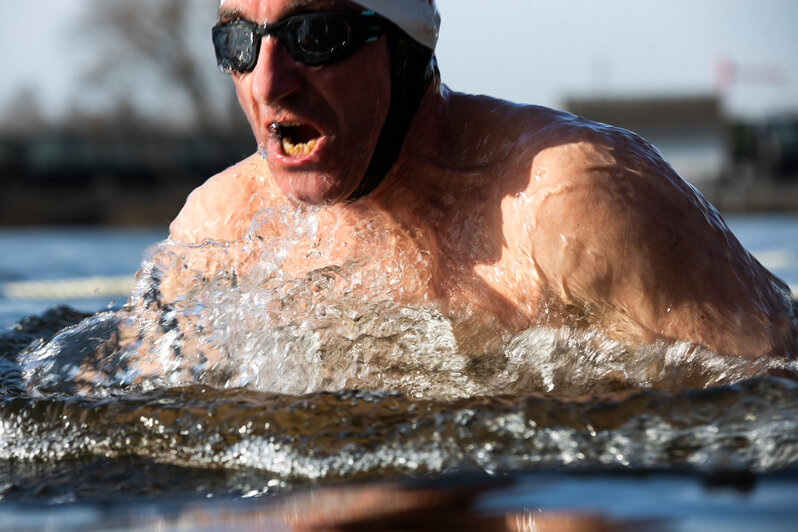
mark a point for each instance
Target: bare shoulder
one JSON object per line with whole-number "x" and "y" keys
{"x": 605, "y": 203}
{"x": 615, "y": 230}
{"x": 596, "y": 183}
{"x": 223, "y": 207}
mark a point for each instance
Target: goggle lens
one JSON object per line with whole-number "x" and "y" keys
{"x": 235, "y": 46}
{"x": 319, "y": 36}
{"x": 312, "y": 39}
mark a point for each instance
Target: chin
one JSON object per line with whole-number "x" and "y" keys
{"x": 313, "y": 189}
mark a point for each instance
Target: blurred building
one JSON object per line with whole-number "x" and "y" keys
{"x": 738, "y": 166}
{"x": 690, "y": 132}
{"x": 774, "y": 152}
{"x": 141, "y": 175}
{"x": 54, "y": 177}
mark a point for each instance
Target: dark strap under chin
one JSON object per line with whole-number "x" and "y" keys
{"x": 386, "y": 152}
{"x": 412, "y": 70}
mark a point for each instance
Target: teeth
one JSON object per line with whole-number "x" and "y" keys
{"x": 302, "y": 148}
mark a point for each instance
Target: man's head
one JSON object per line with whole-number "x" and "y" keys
{"x": 329, "y": 86}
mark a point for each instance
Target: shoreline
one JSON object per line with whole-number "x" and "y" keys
{"x": 114, "y": 202}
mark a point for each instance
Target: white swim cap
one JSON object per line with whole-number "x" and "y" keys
{"x": 418, "y": 18}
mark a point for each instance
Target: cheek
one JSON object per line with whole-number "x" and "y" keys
{"x": 366, "y": 95}
{"x": 243, "y": 88}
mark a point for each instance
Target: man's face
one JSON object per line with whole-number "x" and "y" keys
{"x": 316, "y": 126}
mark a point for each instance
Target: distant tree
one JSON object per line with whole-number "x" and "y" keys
{"x": 22, "y": 114}
{"x": 120, "y": 119}
{"x": 158, "y": 53}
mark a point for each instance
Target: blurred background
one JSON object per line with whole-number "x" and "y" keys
{"x": 112, "y": 112}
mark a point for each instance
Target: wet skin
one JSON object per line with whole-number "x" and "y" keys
{"x": 282, "y": 92}
{"x": 521, "y": 213}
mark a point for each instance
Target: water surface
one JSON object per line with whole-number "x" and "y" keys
{"x": 250, "y": 397}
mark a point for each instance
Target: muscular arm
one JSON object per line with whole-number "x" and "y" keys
{"x": 616, "y": 232}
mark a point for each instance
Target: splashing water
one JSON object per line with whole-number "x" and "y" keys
{"x": 256, "y": 326}
{"x": 251, "y": 367}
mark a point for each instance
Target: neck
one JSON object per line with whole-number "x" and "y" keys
{"x": 419, "y": 138}
{"x": 425, "y": 133}
{"x": 414, "y": 74}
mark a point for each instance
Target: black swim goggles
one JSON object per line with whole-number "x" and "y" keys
{"x": 313, "y": 39}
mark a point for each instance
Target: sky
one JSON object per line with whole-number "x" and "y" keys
{"x": 526, "y": 51}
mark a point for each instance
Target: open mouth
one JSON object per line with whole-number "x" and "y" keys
{"x": 296, "y": 139}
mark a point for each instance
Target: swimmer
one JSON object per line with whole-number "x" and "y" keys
{"x": 523, "y": 213}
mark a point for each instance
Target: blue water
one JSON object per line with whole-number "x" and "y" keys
{"x": 78, "y": 252}
{"x": 773, "y": 239}
{"x": 89, "y": 489}
{"x": 51, "y": 253}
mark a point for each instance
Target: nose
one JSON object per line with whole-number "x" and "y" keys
{"x": 276, "y": 74}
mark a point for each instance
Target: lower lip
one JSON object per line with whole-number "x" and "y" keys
{"x": 276, "y": 153}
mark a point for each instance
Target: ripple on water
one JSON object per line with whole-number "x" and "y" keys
{"x": 355, "y": 434}
{"x": 258, "y": 370}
